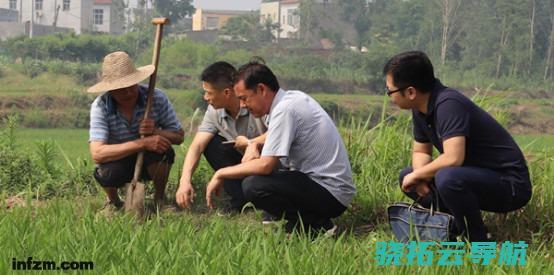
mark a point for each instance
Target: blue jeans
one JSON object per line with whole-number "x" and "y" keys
{"x": 464, "y": 191}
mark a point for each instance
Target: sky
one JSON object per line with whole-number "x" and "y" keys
{"x": 227, "y": 4}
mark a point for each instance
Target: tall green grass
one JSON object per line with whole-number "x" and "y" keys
{"x": 199, "y": 242}
{"x": 185, "y": 243}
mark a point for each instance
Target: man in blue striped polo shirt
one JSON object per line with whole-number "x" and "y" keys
{"x": 116, "y": 123}
{"x": 316, "y": 184}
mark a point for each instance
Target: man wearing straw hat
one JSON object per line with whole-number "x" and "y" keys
{"x": 116, "y": 125}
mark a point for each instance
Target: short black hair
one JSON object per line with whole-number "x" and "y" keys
{"x": 220, "y": 75}
{"x": 254, "y": 73}
{"x": 411, "y": 68}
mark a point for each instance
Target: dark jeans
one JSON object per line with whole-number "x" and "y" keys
{"x": 464, "y": 191}
{"x": 220, "y": 156}
{"x": 292, "y": 194}
{"x": 118, "y": 172}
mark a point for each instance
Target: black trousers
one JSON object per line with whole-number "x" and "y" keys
{"x": 294, "y": 196}
{"x": 220, "y": 156}
{"x": 464, "y": 191}
{"x": 118, "y": 172}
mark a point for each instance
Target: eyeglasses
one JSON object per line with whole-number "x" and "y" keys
{"x": 389, "y": 92}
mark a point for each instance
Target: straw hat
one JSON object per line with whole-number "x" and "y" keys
{"x": 118, "y": 71}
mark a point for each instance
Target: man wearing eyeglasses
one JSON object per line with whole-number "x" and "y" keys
{"x": 480, "y": 167}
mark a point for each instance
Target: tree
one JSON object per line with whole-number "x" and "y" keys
{"x": 450, "y": 17}
{"x": 357, "y": 13}
{"x": 550, "y": 52}
{"x": 308, "y": 19}
{"x": 174, "y": 10}
{"x": 248, "y": 28}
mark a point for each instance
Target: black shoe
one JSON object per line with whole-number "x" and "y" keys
{"x": 268, "y": 219}
{"x": 325, "y": 227}
{"x": 227, "y": 211}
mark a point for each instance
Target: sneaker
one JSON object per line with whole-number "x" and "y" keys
{"x": 268, "y": 219}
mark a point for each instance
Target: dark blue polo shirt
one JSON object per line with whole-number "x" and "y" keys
{"x": 488, "y": 144}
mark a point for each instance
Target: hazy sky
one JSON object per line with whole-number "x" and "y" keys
{"x": 227, "y": 4}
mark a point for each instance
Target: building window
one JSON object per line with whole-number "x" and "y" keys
{"x": 38, "y": 5}
{"x": 212, "y": 23}
{"x": 290, "y": 17}
{"x": 66, "y": 4}
{"x": 13, "y": 4}
{"x": 98, "y": 15}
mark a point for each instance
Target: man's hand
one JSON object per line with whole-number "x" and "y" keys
{"x": 147, "y": 127}
{"x": 422, "y": 189}
{"x": 156, "y": 143}
{"x": 241, "y": 142}
{"x": 215, "y": 186}
{"x": 252, "y": 152}
{"x": 410, "y": 181}
{"x": 413, "y": 182}
{"x": 185, "y": 195}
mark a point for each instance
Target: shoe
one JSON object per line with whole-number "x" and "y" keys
{"x": 110, "y": 209}
{"x": 268, "y": 219}
{"x": 227, "y": 211}
{"x": 325, "y": 227}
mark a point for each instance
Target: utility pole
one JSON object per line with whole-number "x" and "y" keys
{"x": 32, "y": 18}
{"x": 20, "y": 11}
{"x": 56, "y": 13}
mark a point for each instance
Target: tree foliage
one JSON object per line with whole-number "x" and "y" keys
{"x": 248, "y": 28}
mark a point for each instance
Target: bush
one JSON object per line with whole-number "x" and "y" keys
{"x": 34, "y": 68}
{"x": 37, "y": 171}
{"x": 17, "y": 170}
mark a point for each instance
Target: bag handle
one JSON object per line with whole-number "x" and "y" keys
{"x": 435, "y": 200}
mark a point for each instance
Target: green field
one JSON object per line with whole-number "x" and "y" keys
{"x": 74, "y": 142}
{"x": 65, "y": 227}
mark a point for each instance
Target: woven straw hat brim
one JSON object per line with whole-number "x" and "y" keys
{"x": 129, "y": 80}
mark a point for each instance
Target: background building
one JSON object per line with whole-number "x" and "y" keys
{"x": 213, "y": 19}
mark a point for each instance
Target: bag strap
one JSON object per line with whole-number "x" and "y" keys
{"x": 433, "y": 202}
{"x": 435, "y": 198}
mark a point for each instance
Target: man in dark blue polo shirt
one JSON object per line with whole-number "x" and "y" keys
{"x": 480, "y": 167}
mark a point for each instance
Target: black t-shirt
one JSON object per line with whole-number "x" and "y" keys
{"x": 488, "y": 144}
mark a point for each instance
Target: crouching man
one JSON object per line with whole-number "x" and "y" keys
{"x": 479, "y": 167}
{"x": 317, "y": 184}
{"x": 116, "y": 123}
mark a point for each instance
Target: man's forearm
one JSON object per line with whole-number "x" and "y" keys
{"x": 259, "y": 139}
{"x": 190, "y": 164}
{"x": 176, "y": 137}
{"x": 420, "y": 159}
{"x": 112, "y": 152}
{"x": 429, "y": 170}
{"x": 261, "y": 166}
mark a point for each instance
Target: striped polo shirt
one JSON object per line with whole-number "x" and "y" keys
{"x": 303, "y": 133}
{"x": 108, "y": 125}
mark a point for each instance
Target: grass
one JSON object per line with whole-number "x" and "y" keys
{"x": 66, "y": 228}
{"x": 535, "y": 142}
{"x": 199, "y": 242}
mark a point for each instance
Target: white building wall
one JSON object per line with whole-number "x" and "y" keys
{"x": 77, "y": 17}
{"x": 290, "y": 20}
{"x": 105, "y": 26}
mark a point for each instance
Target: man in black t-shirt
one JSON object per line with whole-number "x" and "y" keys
{"x": 480, "y": 167}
